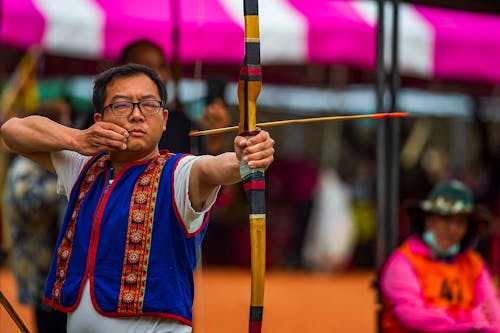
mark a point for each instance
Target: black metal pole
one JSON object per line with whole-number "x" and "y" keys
{"x": 381, "y": 181}
{"x": 394, "y": 137}
{"x": 387, "y": 148}
{"x": 387, "y": 142}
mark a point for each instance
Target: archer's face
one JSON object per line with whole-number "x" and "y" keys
{"x": 448, "y": 229}
{"x": 144, "y": 130}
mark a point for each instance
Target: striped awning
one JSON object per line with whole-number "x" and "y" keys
{"x": 435, "y": 43}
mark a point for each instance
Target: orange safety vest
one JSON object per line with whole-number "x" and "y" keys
{"x": 448, "y": 285}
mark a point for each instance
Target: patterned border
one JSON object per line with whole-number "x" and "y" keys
{"x": 65, "y": 248}
{"x": 138, "y": 244}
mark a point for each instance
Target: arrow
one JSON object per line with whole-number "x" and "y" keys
{"x": 303, "y": 120}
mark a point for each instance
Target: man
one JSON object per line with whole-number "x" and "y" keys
{"x": 435, "y": 282}
{"x": 127, "y": 245}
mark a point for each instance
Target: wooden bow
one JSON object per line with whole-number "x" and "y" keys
{"x": 13, "y": 314}
{"x": 253, "y": 180}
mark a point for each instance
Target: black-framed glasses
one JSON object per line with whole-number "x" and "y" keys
{"x": 124, "y": 109}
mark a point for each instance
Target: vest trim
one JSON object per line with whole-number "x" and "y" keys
{"x": 138, "y": 242}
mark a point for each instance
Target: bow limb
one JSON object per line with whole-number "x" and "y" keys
{"x": 253, "y": 180}
{"x": 13, "y": 314}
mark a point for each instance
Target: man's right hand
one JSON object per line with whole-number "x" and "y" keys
{"x": 102, "y": 136}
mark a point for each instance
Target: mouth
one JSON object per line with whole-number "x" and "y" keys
{"x": 136, "y": 132}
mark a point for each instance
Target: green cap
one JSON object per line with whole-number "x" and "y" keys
{"x": 448, "y": 198}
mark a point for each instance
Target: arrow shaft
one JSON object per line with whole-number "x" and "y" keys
{"x": 303, "y": 120}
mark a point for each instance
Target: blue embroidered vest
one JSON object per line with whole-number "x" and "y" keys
{"x": 128, "y": 239}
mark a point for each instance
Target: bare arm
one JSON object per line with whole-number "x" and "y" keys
{"x": 209, "y": 172}
{"x": 35, "y": 137}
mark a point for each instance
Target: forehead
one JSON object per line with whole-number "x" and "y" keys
{"x": 133, "y": 87}
{"x": 446, "y": 219}
{"x": 148, "y": 56}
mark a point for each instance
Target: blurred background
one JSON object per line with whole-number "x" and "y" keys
{"x": 336, "y": 189}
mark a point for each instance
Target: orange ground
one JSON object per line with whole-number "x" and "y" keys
{"x": 294, "y": 302}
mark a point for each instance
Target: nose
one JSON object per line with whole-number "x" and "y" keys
{"x": 453, "y": 226}
{"x": 136, "y": 113}
{"x": 457, "y": 224}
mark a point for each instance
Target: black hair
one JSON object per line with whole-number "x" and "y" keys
{"x": 129, "y": 70}
{"x": 126, "y": 53}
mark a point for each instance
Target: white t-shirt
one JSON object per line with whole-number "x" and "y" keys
{"x": 85, "y": 319}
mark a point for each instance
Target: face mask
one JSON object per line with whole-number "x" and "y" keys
{"x": 430, "y": 240}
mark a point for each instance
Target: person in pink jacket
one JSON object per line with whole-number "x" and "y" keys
{"x": 435, "y": 281}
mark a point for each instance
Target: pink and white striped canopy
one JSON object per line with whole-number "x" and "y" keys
{"x": 435, "y": 43}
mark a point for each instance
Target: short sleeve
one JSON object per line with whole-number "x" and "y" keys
{"x": 191, "y": 218}
{"x": 68, "y": 165}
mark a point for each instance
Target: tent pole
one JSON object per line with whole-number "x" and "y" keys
{"x": 394, "y": 137}
{"x": 387, "y": 160}
{"x": 381, "y": 180}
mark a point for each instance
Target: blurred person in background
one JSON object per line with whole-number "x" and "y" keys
{"x": 176, "y": 138}
{"x": 435, "y": 282}
{"x": 32, "y": 210}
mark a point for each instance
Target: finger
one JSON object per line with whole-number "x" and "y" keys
{"x": 106, "y": 140}
{"x": 253, "y": 147}
{"x": 261, "y": 163}
{"x": 261, "y": 136}
{"x": 111, "y": 129}
{"x": 240, "y": 142}
{"x": 110, "y": 144}
{"x": 113, "y": 133}
{"x": 259, "y": 158}
{"x": 110, "y": 126}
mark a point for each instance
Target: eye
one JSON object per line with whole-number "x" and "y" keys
{"x": 150, "y": 103}
{"x": 121, "y": 105}
{"x": 150, "y": 106}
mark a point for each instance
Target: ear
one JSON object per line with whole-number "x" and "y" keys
{"x": 165, "y": 118}
{"x": 97, "y": 116}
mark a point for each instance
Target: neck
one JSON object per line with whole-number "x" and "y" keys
{"x": 119, "y": 159}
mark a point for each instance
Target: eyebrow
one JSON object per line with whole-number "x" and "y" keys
{"x": 145, "y": 97}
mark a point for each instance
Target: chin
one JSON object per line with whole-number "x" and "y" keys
{"x": 137, "y": 147}
{"x": 446, "y": 246}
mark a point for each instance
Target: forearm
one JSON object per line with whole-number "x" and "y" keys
{"x": 37, "y": 134}
{"x": 208, "y": 172}
{"x": 223, "y": 169}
